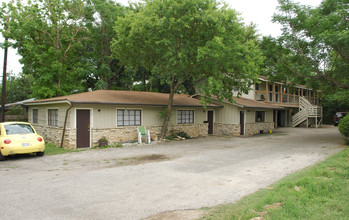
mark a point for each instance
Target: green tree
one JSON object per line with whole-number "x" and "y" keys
{"x": 333, "y": 103}
{"x": 18, "y": 88}
{"x": 315, "y": 44}
{"x": 184, "y": 39}
{"x": 48, "y": 35}
{"x": 343, "y": 126}
{"x": 102, "y": 70}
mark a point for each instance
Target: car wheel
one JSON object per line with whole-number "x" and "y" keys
{"x": 40, "y": 154}
{"x": 2, "y": 158}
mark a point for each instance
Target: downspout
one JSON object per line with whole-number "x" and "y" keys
{"x": 65, "y": 124}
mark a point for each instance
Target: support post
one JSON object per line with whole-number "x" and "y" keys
{"x": 3, "y": 94}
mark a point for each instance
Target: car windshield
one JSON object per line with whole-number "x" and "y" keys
{"x": 18, "y": 129}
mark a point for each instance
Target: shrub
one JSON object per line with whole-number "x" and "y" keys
{"x": 15, "y": 110}
{"x": 175, "y": 135}
{"x": 343, "y": 126}
{"x": 171, "y": 137}
{"x": 183, "y": 134}
{"x": 102, "y": 141}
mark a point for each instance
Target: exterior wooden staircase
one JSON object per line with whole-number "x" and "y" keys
{"x": 307, "y": 111}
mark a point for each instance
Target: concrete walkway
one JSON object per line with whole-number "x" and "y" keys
{"x": 140, "y": 181}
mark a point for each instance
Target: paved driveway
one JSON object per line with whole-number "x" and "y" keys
{"x": 139, "y": 181}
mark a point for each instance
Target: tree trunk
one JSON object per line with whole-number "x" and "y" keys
{"x": 144, "y": 83}
{"x": 168, "y": 114}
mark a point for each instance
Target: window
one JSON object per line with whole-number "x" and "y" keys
{"x": 128, "y": 117}
{"x": 52, "y": 117}
{"x": 260, "y": 116}
{"x": 270, "y": 97}
{"x": 185, "y": 116}
{"x": 18, "y": 129}
{"x": 235, "y": 89}
{"x": 35, "y": 116}
{"x": 277, "y": 88}
{"x": 257, "y": 86}
{"x": 270, "y": 87}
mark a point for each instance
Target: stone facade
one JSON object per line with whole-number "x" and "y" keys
{"x": 255, "y": 128}
{"x": 120, "y": 134}
{"x": 114, "y": 135}
{"x": 226, "y": 129}
{"x": 54, "y": 135}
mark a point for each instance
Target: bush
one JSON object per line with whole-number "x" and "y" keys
{"x": 343, "y": 126}
{"x": 15, "y": 110}
{"x": 102, "y": 141}
{"x": 175, "y": 135}
{"x": 183, "y": 134}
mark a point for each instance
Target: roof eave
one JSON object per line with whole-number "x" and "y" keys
{"x": 143, "y": 104}
{"x": 259, "y": 107}
{"x": 66, "y": 101}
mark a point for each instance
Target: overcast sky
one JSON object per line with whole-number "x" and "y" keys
{"x": 257, "y": 11}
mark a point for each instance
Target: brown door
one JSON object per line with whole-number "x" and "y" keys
{"x": 83, "y": 128}
{"x": 210, "y": 121}
{"x": 242, "y": 123}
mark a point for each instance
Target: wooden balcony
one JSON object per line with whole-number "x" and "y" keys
{"x": 284, "y": 96}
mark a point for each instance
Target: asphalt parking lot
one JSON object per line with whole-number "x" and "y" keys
{"x": 136, "y": 182}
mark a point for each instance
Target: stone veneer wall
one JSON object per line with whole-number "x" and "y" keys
{"x": 54, "y": 135}
{"x": 121, "y": 134}
{"x": 226, "y": 129}
{"x": 114, "y": 135}
{"x": 255, "y": 128}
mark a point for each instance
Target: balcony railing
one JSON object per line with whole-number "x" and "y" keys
{"x": 287, "y": 97}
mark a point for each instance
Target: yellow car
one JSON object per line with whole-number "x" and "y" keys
{"x": 19, "y": 138}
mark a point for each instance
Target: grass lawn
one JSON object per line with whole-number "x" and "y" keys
{"x": 317, "y": 192}
{"x": 51, "y": 149}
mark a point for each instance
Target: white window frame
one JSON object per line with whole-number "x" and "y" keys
{"x": 37, "y": 122}
{"x": 185, "y": 122}
{"x": 133, "y": 109}
{"x": 47, "y": 117}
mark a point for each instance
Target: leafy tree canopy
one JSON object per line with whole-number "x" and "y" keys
{"x": 200, "y": 40}
{"x": 48, "y": 35}
{"x": 101, "y": 70}
{"x": 314, "y": 46}
{"x": 18, "y": 88}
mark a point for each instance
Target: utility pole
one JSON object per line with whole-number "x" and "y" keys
{"x": 3, "y": 95}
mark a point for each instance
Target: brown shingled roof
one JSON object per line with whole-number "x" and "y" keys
{"x": 246, "y": 103}
{"x": 125, "y": 98}
{"x": 249, "y": 103}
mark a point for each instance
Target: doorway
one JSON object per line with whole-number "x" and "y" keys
{"x": 242, "y": 123}
{"x": 82, "y": 128}
{"x": 210, "y": 121}
{"x": 281, "y": 118}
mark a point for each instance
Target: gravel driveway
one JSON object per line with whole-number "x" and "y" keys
{"x": 139, "y": 181}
